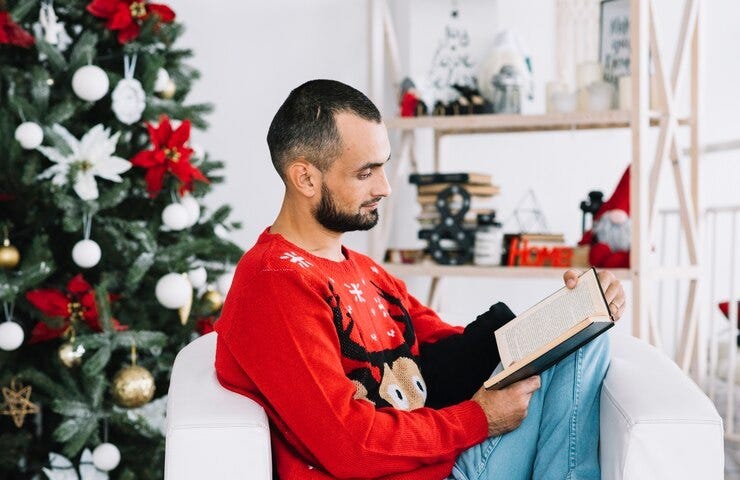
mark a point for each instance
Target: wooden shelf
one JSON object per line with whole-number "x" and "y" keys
{"x": 520, "y": 123}
{"x": 431, "y": 269}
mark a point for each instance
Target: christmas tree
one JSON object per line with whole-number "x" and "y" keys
{"x": 109, "y": 262}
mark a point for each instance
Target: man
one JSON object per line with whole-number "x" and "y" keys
{"x": 359, "y": 379}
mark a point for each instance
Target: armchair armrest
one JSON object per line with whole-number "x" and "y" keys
{"x": 211, "y": 431}
{"x": 655, "y": 421}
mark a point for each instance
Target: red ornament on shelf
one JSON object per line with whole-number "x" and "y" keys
{"x": 168, "y": 154}
{"x": 126, "y": 16}
{"x": 77, "y": 303}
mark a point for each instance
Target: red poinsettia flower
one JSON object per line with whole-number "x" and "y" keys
{"x": 126, "y": 15}
{"x": 12, "y": 33}
{"x": 77, "y": 303}
{"x": 168, "y": 154}
{"x": 205, "y": 325}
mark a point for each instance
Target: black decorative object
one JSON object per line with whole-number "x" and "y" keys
{"x": 591, "y": 206}
{"x": 449, "y": 242}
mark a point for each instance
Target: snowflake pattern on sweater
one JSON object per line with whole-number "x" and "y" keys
{"x": 388, "y": 377}
{"x": 385, "y": 377}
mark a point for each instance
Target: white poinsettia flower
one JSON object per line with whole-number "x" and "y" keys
{"x": 93, "y": 157}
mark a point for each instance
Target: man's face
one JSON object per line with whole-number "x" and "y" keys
{"x": 355, "y": 183}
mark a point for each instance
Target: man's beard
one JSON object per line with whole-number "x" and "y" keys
{"x": 327, "y": 213}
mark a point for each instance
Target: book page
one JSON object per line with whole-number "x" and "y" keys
{"x": 552, "y": 353}
{"x": 550, "y": 318}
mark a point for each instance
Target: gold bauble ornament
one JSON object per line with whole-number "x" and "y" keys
{"x": 132, "y": 387}
{"x": 9, "y": 255}
{"x": 213, "y": 299}
{"x": 71, "y": 355}
{"x": 169, "y": 91}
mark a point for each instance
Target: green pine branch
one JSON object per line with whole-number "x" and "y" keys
{"x": 45, "y": 222}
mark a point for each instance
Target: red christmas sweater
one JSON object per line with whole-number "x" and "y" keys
{"x": 331, "y": 351}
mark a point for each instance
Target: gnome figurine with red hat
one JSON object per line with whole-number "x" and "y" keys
{"x": 610, "y": 236}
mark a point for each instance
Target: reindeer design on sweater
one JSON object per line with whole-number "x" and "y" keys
{"x": 388, "y": 377}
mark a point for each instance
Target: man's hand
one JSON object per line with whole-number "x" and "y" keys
{"x": 613, "y": 290}
{"x": 505, "y": 409}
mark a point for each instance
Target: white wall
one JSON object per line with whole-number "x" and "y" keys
{"x": 251, "y": 54}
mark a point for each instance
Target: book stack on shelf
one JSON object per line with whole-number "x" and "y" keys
{"x": 450, "y": 205}
{"x": 430, "y": 185}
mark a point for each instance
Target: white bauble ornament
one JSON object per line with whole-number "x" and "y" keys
{"x": 162, "y": 81}
{"x": 173, "y": 290}
{"x": 90, "y": 83}
{"x": 86, "y": 253}
{"x": 11, "y": 336}
{"x": 106, "y": 457}
{"x": 29, "y": 135}
{"x": 224, "y": 282}
{"x": 175, "y": 216}
{"x": 198, "y": 277}
{"x": 129, "y": 100}
{"x": 192, "y": 207}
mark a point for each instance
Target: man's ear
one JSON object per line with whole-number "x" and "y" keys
{"x": 303, "y": 177}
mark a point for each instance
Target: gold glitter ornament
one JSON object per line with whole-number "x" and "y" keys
{"x": 10, "y": 257}
{"x": 132, "y": 386}
{"x": 213, "y": 299}
{"x": 71, "y": 355}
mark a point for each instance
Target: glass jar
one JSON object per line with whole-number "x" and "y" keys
{"x": 489, "y": 238}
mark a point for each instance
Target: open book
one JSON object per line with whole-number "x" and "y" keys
{"x": 551, "y": 330}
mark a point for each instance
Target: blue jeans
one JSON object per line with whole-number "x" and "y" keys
{"x": 559, "y": 438}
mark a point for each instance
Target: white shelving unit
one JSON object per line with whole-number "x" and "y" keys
{"x": 493, "y": 123}
{"x": 646, "y": 166}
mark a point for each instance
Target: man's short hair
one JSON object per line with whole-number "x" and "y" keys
{"x": 305, "y": 125}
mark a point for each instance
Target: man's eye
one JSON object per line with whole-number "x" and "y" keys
{"x": 364, "y": 176}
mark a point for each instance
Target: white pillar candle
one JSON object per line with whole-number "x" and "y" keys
{"x": 552, "y": 89}
{"x": 625, "y": 93}
{"x": 588, "y": 73}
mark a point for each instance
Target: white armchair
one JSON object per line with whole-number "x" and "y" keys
{"x": 655, "y": 422}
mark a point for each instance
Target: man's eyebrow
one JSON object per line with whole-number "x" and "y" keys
{"x": 374, "y": 164}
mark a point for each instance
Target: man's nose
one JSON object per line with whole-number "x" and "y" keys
{"x": 382, "y": 187}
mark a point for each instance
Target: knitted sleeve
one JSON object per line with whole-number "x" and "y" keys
{"x": 456, "y": 366}
{"x": 281, "y": 335}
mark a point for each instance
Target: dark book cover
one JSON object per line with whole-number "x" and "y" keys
{"x": 550, "y": 358}
{"x": 461, "y": 177}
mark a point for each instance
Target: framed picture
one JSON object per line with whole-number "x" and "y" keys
{"x": 614, "y": 39}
